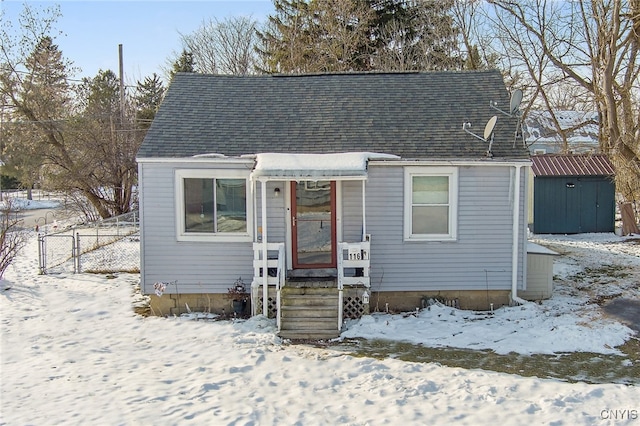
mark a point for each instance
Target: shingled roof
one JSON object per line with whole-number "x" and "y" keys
{"x": 413, "y": 115}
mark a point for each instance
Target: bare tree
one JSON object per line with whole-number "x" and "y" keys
{"x": 475, "y": 43}
{"x": 591, "y": 45}
{"x": 223, "y": 47}
{"x": 12, "y": 237}
{"x": 52, "y": 133}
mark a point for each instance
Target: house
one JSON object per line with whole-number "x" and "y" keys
{"x": 542, "y": 136}
{"x": 333, "y": 195}
{"x": 573, "y": 194}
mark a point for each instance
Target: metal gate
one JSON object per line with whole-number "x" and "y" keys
{"x": 57, "y": 253}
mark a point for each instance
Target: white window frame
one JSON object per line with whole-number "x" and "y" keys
{"x": 182, "y": 235}
{"x": 452, "y": 174}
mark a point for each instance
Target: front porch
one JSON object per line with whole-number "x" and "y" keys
{"x": 317, "y": 273}
{"x": 314, "y": 305}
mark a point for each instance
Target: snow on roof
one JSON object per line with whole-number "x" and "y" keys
{"x": 538, "y": 126}
{"x": 345, "y": 164}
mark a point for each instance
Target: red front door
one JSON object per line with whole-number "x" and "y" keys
{"x": 313, "y": 224}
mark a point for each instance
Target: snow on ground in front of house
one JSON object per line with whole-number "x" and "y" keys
{"x": 73, "y": 352}
{"x": 568, "y": 322}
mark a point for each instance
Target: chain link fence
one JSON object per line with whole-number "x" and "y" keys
{"x": 107, "y": 246}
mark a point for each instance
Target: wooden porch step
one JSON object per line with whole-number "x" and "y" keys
{"x": 302, "y": 311}
{"x": 312, "y": 283}
{"x": 309, "y": 301}
{"x": 310, "y": 324}
{"x": 309, "y": 312}
{"x": 309, "y": 335}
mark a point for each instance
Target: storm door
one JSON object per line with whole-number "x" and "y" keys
{"x": 313, "y": 224}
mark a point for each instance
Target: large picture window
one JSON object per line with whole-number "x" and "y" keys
{"x": 213, "y": 206}
{"x": 430, "y": 203}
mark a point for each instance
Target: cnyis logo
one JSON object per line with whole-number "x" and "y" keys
{"x": 619, "y": 414}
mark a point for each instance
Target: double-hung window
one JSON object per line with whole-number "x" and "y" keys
{"x": 212, "y": 204}
{"x": 431, "y": 195}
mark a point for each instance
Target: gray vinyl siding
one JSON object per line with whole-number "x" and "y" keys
{"x": 276, "y": 211}
{"x": 480, "y": 258}
{"x": 351, "y": 211}
{"x": 197, "y": 267}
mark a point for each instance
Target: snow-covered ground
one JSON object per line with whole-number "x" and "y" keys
{"x": 74, "y": 352}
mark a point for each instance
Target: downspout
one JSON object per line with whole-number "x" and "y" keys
{"x": 265, "y": 274}
{"x": 254, "y": 282}
{"x": 364, "y": 215}
{"x": 516, "y": 234}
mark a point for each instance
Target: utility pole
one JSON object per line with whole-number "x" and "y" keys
{"x": 120, "y": 62}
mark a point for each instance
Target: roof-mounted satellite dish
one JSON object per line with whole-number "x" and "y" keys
{"x": 488, "y": 129}
{"x": 516, "y": 100}
{"x": 514, "y": 111}
{"x": 514, "y": 104}
{"x": 488, "y": 132}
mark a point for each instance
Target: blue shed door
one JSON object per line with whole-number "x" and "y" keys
{"x": 572, "y": 205}
{"x": 597, "y": 201}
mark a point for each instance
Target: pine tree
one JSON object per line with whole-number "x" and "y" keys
{"x": 360, "y": 35}
{"x": 286, "y": 42}
{"x": 42, "y": 100}
{"x": 416, "y": 35}
{"x": 184, "y": 63}
{"x": 149, "y": 95}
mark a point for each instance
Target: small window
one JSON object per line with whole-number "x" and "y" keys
{"x": 430, "y": 203}
{"x": 211, "y": 205}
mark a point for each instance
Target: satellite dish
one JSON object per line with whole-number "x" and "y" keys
{"x": 514, "y": 104}
{"x": 516, "y": 99}
{"x": 488, "y": 129}
{"x": 488, "y": 132}
{"x": 514, "y": 111}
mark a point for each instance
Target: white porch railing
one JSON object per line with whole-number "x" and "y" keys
{"x": 275, "y": 262}
{"x": 353, "y": 257}
{"x": 353, "y": 267}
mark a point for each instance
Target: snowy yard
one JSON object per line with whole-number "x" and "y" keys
{"x": 74, "y": 352}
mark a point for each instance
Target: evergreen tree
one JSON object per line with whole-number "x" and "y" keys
{"x": 85, "y": 146}
{"x": 287, "y": 40}
{"x": 360, "y": 35}
{"x": 149, "y": 95}
{"x": 184, "y": 63}
{"x": 416, "y": 35}
{"x": 41, "y": 100}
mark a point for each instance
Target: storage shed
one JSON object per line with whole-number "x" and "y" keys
{"x": 573, "y": 194}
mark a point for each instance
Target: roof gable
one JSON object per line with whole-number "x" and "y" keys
{"x": 412, "y": 115}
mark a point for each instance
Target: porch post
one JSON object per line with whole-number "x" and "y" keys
{"x": 265, "y": 271}
{"x": 364, "y": 215}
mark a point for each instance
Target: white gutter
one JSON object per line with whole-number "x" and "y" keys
{"x": 516, "y": 233}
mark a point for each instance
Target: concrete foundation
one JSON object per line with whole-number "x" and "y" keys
{"x": 393, "y": 301}
{"x": 404, "y": 301}
{"x": 176, "y": 304}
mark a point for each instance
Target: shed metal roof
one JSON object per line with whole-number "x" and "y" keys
{"x": 571, "y": 165}
{"x": 415, "y": 115}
